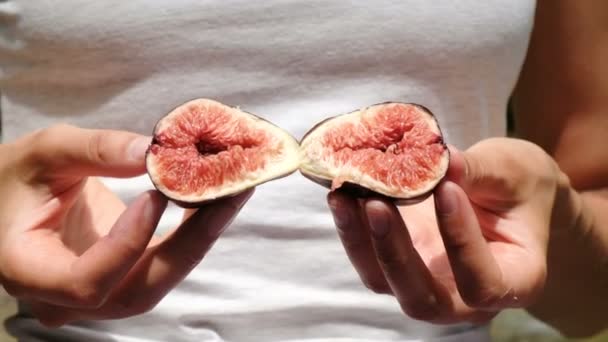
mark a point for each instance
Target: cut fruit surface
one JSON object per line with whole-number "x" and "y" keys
{"x": 205, "y": 150}
{"x": 394, "y": 149}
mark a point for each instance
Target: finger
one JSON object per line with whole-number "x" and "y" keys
{"x": 193, "y": 238}
{"x": 49, "y": 315}
{"x": 478, "y": 277}
{"x": 409, "y": 278}
{"x": 169, "y": 262}
{"x": 187, "y": 213}
{"x": 55, "y": 316}
{"x": 162, "y": 267}
{"x": 354, "y": 234}
{"x": 458, "y": 168}
{"x": 55, "y": 275}
{"x": 67, "y": 150}
{"x": 491, "y": 176}
{"x": 103, "y": 265}
{"x": 475, "y": 172}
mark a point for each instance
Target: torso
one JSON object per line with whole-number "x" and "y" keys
{"x": 279, "y": 273}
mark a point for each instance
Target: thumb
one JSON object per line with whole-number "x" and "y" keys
{"x": 463, "y": 169}
{"x": 489, "y": 172}
{"x": 65, "y": 150}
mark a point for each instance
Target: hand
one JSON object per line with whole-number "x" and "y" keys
{"x": 481, "y": 250}
{"x": 70, "y": 248}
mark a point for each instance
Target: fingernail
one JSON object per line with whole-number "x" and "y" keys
{"x": 153, "y": 201}
{"x": 137, "y": 148}
{"x": 445, "y": 200}
{"x": 341, "y": 216}
{"x": 378, "y": 217}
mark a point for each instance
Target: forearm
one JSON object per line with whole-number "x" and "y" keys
{"x": 575, "y": 300}
{"x": 565, "y": 113}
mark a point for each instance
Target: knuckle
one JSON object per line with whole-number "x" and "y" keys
{"x": 88, "y": 295}
{"x": 133, "y": 247}
{"x": 50, "y": 134}
{"x": 128, "y": 247}
{"x": 483, "y": 297}
{"x": 58, "y": 129}
{"x": 97, "y": 149}
{"x": 40, "y": 142}
{"x": 12, "y": 276}
{"x": 136, "y": 305}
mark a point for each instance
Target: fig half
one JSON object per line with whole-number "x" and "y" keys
{"x": 392, "y": 149}
{"x": 204, "y": 150}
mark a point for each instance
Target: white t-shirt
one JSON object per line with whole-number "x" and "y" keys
{"x": 279, "y": 273}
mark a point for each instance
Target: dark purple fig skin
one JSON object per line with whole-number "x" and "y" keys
{"x": 198, "y": 204}
{"x": 359, "y": 191}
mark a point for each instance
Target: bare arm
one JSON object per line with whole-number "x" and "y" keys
{"x": 561, "y": 103}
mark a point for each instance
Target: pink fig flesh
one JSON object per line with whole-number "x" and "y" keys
{"x": 204, "y": 150}
{"x": 392, "y": 149}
